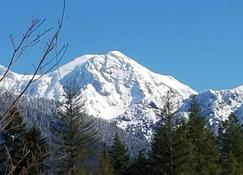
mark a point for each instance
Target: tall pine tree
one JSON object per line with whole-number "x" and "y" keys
{"x": 75, "y": 135}
{"x": 164, "y": 156}
{"x": 119, "y": 156}
{"x": 182, "y": 151}
{"x": 23, "y": 151}
{"x": 13, "y": 144}
{"x": 230, "y": 141}
{"x": 204, "y": 155}
{"x": 105, "y": 167}
{"x": 139, "y": 166}
{"x": 39, "y": 152}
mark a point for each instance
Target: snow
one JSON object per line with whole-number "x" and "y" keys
{"x": 218, "y": 105}
{"x": 116, "y": 88}
{"x": 112, "y": 86}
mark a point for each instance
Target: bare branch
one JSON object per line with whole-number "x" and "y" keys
{"x": 45, "y": 62}
{"x": 16, "y": 166}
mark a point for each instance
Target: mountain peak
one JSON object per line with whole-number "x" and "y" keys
{"x": 240, "y": 88}
{"x": 94, "y": 59}
{"x": 116, "y": 53}
{"x": 110, "y": 84}
{"x": 118, "y": 89}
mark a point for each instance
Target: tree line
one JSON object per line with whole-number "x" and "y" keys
{"x": 180, "y": 146}
{"x": 188, "y": 146}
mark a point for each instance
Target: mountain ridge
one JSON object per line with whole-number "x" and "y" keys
{"x": 116, "y": 88}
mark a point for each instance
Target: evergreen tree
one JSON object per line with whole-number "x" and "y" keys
{"x": 165, "y": 157}
{"x": 182, "y": 151}
{"x": 140, "y": 165}
{"x": 204, "y": 151}
{"x": 105, "y": 167}
{"x": 24, "y": 152}
{"x": 76, "y": 136}
{"x": 230, "y": 141}
{"x": 119, "y": 156}
{"x": 13, "y": 140}
{"x": 39, "y": 152}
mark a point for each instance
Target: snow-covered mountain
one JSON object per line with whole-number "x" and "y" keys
{"x": 218, "y": 105}
{"x": 117, "y": 89}
{"x": 112, "y": 86}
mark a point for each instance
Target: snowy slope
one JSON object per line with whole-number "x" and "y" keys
{"x": 218, "y": 105}
{"x": 112, "y": 86}
{"x": 116, "y": 88}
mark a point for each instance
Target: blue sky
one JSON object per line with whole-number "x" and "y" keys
{"x": 199, "y": 42}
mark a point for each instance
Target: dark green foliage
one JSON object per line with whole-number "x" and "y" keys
{"x": 204, "y": 155}
{"x": 139, "y": 166}
{"x": 160, "y": 158}
{"x": 39, "y": 152}
{"x": 183, "y": 147}
{"x": 165, "y": 157}
{"x": 182, "y": 151}
{"x": 161, "y": 148}
{"x": 230, "y": 141}
{"x": 13, "y": 143}
{"x": 180, "y": 154}
{"x": 105, "y": 167}
{"x": 23, "y": 152}
{"x": 119, "y": 156}
{"x": 76, "y": 136}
